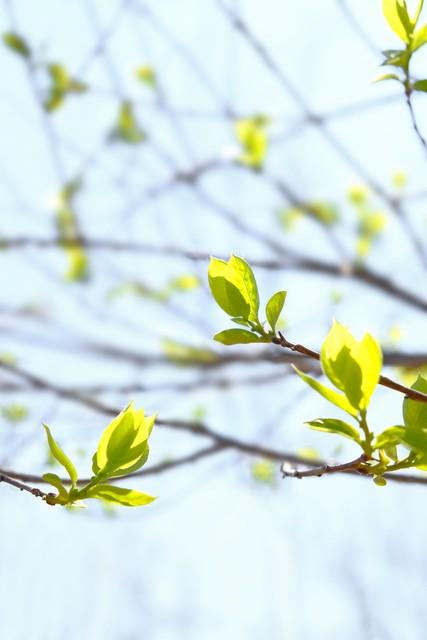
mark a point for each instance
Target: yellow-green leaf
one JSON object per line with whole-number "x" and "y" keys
{"x": 237, "y": 336}
{"x": 274, "y": 308}
{"x": 415, "y": 412}
{"x": 60, "y": 456}
{"x": 119, "y": 495}
{"x": 234, "y": 287}
{"x": 393, "y": 13}
{"x": 353, "y": 366}
{"x": 332, "y": 425}
{"x": 331, "y": 395}
{"x": 16, "y": 43}
{"x": 123, "y": 446}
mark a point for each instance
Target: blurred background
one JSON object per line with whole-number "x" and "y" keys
{"x": 138, "y": 139}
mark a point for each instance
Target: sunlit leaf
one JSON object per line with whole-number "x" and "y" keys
{"x": 396, "y": 15}
{"x": 119, "y": 495}
{"x": 331, "y": 395}
{"x": 274, "y": 308}
{"x": 353, "y": 366}
{"x": 415, "y": 412}
{"x": 252, "y": 135}
{"x": 234, "y": 287}
{"x": 237, "y": 336}
{"x": 60, "y": 456}
{"x": 338, "y": 427}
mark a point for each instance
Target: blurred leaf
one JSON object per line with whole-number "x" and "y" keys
{"x": 62, "y": 84}
{"x": 185, "y": 354}
{"x": 78, "y": 269}
{"x": 14, "y": 413}
{"x": 396, "y": 58}
{"x": 252, "y": 135}
{"x": 127, "y": 128}
{"x": 387, "y": 76}
{"x": 146, "y": 75}
{"x": 16, "y": 43}
{"x": 264, "y": 472}
{"x": 420, "y": 85}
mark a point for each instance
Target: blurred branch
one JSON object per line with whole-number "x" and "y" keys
{"x": 291, "y": 261}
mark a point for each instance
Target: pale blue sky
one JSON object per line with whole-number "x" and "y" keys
{"x": 217, "y": 556}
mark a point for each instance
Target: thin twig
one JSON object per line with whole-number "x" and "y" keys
{"x": 383, "y": 380}
{"x": 289, "y": 471}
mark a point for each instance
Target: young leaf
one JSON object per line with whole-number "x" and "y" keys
{"x": 415, "y": 413}
{"x": 332, "y": 396}
{"x": 353, "y": 367}
{"x": 119, "y": 495}
{"x": 389, "y": 437}
{"x": 60, "y": 456}
{"x": 56, "y": 482}
{"x": 387, "y": 76}
{"x": 252, "y": 135}
{"x": 332, "y": 425}
{"x": 237, "y": 336}
{"x": 394, "y": 13}
{"x": 234, "y": 287}
{"x": 274, "y": 308}
{"x": 127, "y": 128}
{"x": 420, "y": 85}
{"x": 16, "y": 43}
{"x": 146, "y": 75}
{"x": 123, "y": 446}
{"x": 419, "y": 38}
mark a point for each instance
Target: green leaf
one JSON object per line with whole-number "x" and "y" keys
{"x": 56, "y": 482}
{"x": 412, "y": 438}
{"x": 78, "y": 265}
{"x": 389, "y": 437}
{"x": 186, "y": 354}
{"x": 238, "y": 336}
{"x": 332, "y": 425}
{"x": 60, "y": 456}
{"x": 419, "y": 38}
{"x": 127, "y": 129}
{"x": 417, "y": 12}
{"x": 146, "y": 75}
{"x": 16, "y": 43}
{"x": 274, "y": 308}
{"x": 415, "y": 412}
{"x": 123, "y": 446}
{"x": 387, "y": 76}
{"x": 119, "y": 495}
{"x": 252, "y": 135}
{"x": 420, "y": 85}
{"x": 397, "y": 17}
{"x": 396, "y": 57}
{"x": 234, "y": 287}
{"x": 332, "y": 396}
{"x": 353, "y": 366}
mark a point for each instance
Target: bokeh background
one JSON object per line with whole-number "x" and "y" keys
{"x": 140, "y": 164}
